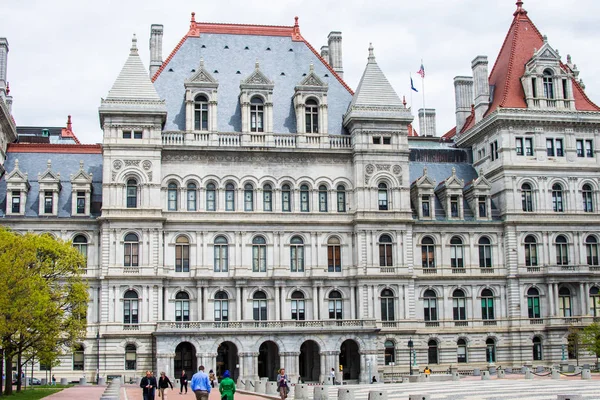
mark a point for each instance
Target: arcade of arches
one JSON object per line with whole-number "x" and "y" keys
{"x": 309, "y": 363}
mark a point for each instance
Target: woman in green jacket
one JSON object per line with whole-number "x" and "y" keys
{"x": 227, "y": 387}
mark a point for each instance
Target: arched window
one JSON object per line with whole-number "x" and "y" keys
{"x": 591, "y": 250}
{"x": 78, "y": 358}
{"x": 259, "y": 254}
{"x": 456, "y": 252}
{"x": 211, "y": 197}
{"x": 430, "y": 305}
{"x": 490, "y": 345}
{"x": 564, "y": 302}
{"x": 229, "y": 197}
{"x": 533, "y": 303}
{"x": 389, "y": 352}
{"x": 527, "y": 197}
{"x": 267, "y": 198}
{"x": 586, "y": 194}
{"x": 201, "y": 113}
{"x": 311, "y": 116}
{"x": 537, "y": 348}
{"x": 595, "y": 301}
{"x": 130, "y": 357}
{"x": 182, "y": 254}
{"x": 334, "y": 253}
{"x": 221, "y": 253}
{"x": 485, "y": 253}
{"x": 248, "y": 197}
{"x": 432, "y": 352}
{"x": 459, "y": 306}
{"x": 131, "y": 250}
{"x": 221, "y": 306}
{"x": 322, "y": 198}
{"x": 385, "y": 251}
{"x": 298, "y": 306}
{"x": 130, "y": 307}
{"x": 335, "y": 305}
{"x": 428, "y": 252}
{"x": 81, "y": 244}
{"x": 557, "y": 198}
{"x": 461, "y": 351}
{"x": 256, "y": 115}
{"x": 304, "y": 198}
{"x": 191, "y": 197}
{"x": 387, "y": 305}
{"x": 382, "y": 196}
{"x": 562, "y": 250}
{"x": 341, "y": 198}
{"x": 297, "y": 254}
{"x": 172, "y": 197}
{"x": 259, "y": 306}
{"x": 182, "y": 307}
{"x": 487, "y": 305}
{"x": 548, "y": 84}
{"x": 531, "y": 259}
{"x": 132, "y": 193}
{"x": 286, "y": 198}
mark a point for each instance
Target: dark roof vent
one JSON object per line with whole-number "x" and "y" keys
{"x": 246, "y": 48}
{"x": 291, "y": 50}
{"x": 268, "y": 49}
{"x": 237, "y": 72}
{"x": 282, "y": 74}
{"x": 304, "y": 74}
{"x": 170, "y": 69}
{"x": 193, "y": 70}
{"x": 216, "y": 71}
{"x": 226, "y": 47}
{"x": 203, "y": 47}
{"x": 326, "y": 75}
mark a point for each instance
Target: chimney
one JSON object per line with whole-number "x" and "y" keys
{"x": 325, "y": 53}
{"x": 334, "y": 42}
{"x": 3, "y": 61}
{"x": 463, "y": 93}
{"x": 427, "y": 121}
{"x": 481, "y": 86}
{"x": 156, "y": 34}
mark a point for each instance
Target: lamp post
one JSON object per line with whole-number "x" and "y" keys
{"x": 410, "y": 352}
{"x": 98, "y": 355}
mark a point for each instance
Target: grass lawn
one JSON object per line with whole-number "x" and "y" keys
{"x": 32, "y": 394}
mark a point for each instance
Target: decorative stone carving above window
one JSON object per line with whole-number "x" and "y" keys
{"x": 201, "y": 101}
{"x": 422, "y": 196}
{"x": 50, "y": 186}
{"x": 450, "y": 193}
{"x": 547, "y": 83}
{"x": 81, "y": 184}
{"x": 256, "y": 100}
{"x": 310, "y": 103}
{"x": 17, "y": 187}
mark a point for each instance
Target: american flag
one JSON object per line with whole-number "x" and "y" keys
{"x": 421, "y": 71}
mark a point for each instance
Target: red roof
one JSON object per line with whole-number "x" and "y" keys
{"x": 450, "y": 134}
{"x": 68, "y": 131}
{"x": 197, "y": 28}
{"x": 54, "y": 148}
{"x": 521, "y": 41}
{"x": 411, "y": 131}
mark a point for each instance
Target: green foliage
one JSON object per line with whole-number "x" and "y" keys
{"x": 590, "y": 339}
{"x": 35, "y": 394}
{"x": 43, "y": 308}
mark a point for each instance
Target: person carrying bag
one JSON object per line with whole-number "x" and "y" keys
{"x": 163, "y": 383}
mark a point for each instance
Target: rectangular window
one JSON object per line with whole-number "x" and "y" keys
{"x": 533, "y": 307}
{"x": 322, "y": 201}
{"x": 559, "y": 147}
{"x": 16, "y": 202}
{"x": 137, "y": 134}
{"x": 267, "y": 200}
{"x": 376, "y": 140}
{"x": 589, "y": 148}
{"x": 229, "y": 200}
{"x": 425, "y": 207}
{"x": 492, "y": 151}
{"x": 334, "y": 264}
{"x": 387, "y": 140}
{"x": 182, "y": 258}
{"x": 285, "y": 201}
{"x": 579, "y": 147}
{"x": 80, "y": 202}
{"x": 248, "y": 200}
{"x": 550, "y": 147}
{"x": 482, "y": 206}
{"x": 534, "y": 87}
{"x": 298, "y": 310}
{"x": 528, "y": 146}
{"x": 210, "y": 200}
{"x": 259, "y": 310}
{"x": 519, "y": 146}
{"x": 335, "y": 309}
{"x": 454, "y": 206}
{"x": 259, "y": 258}
{"x": 565, "y": 89}
{"x": 487, "y": 308}
{"x": 341, "y": 201}
{"x": 48, "y": 202}
{"x": 126, "y": 134}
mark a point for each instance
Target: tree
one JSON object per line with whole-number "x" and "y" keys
{"x": 43, "y": 306}
{"x": 590, "y": 339}
{"x": 574, "y": 342}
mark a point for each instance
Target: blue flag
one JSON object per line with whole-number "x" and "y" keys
{"x": 412, "y": 86}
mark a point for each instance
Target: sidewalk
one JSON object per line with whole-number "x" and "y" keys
{"x": 87, "y": 392}
{"x": 135, "y": 393}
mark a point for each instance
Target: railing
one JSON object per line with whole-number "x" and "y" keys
{"x": 275, "y": 325}
{"x": 459, "y": 271}
{"x": 536, "y": 321}
{"x": 229, "y": 140}
{"x": 432, "y": 324}
{"x": 461, "y": 323}
{"x": 173, "y": 138}
{"x": 560, "y": 269}
{"x": 387, "y": 270}
{"x": 490, "y": 322}
{"x": 284, "y": 140}
{"x": 429, "y": 271}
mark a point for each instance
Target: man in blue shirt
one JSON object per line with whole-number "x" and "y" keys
{"x": 200, "y": 384}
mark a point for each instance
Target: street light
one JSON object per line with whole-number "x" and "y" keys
{"x": 410, "y": 352}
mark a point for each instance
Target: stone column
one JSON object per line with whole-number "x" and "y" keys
{"x": 352, "y": 303}
{"x": 239, "y": 303}
{"x": 582, "y": 299}
{"x": 315, "y": 315}
{"x": 277, "y": 302}
{"x": 291, "y": 362}
{"x": 551, "y": 299}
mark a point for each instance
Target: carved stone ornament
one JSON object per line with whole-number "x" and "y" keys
{"x": 149, "y": 175}
{"x": 370, "y": 169}
{"x": 130, "y": 163}
{"x": 396, "y": 169}
{"x": 382, "y": 167}
{"x": 311, "y": 81}
{"x": 147, "y": 164}
{"x": 117, "y": 164}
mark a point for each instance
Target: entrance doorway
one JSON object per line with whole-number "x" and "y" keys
{"x": 185, "y": 359}
{"x": 310, "y": 361}
{"x": 268, "y": 360}
{"x": 350, "y": 360}
{"x": 227, "y": 359}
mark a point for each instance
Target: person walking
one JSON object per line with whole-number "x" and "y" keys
{"x": 148, "y": 385}
{"x": 332, "y": 375}
{"x": 212, "y": 378}
{"x": 163, "y": 383}
{"x": 200, "y": 384}
{"x": 282, "y": 384}
{"x": 227, "y": 386}
{"x": 183, "y": 381}
{"x": 53, "y": 380}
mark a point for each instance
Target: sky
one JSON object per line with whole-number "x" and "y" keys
{"x": 64, "y": 55}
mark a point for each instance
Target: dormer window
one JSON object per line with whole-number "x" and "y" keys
{"x": 310, "y": 103}
{"x": 312, "y": 116}
{"x": 201, "y": 113}
{"x": 425, "y": 206}
{"x": 80, "y": 202}
{"x": 256, "y": 114}
{"x": 454, "y": 206}
{"x": 81, "y": 192}
{"x": 548, "y": 80}
{"x": 17, "y": 187}
{"x": 48, "y": 203}
{"x": 16, "y": 202}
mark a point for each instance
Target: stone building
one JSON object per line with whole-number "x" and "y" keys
{"x": 247, "y": 210}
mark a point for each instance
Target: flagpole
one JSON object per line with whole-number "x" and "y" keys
{"x": 411, "y": 90}
{"x": 423, "y": 90}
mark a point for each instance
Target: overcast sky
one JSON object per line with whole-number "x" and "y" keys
{"x": 65, "y": 54}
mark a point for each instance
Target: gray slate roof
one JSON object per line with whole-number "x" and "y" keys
{"x": 284, "y": 64}
{"x": 63, "y": 163}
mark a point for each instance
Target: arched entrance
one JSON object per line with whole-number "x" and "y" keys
{"x": 185, "y": 359}
{"x": 227, "y": 359}
{"x": 310, "y": 361}
{"x": 268, "y": 360}
{"x": 350, "y": 360}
